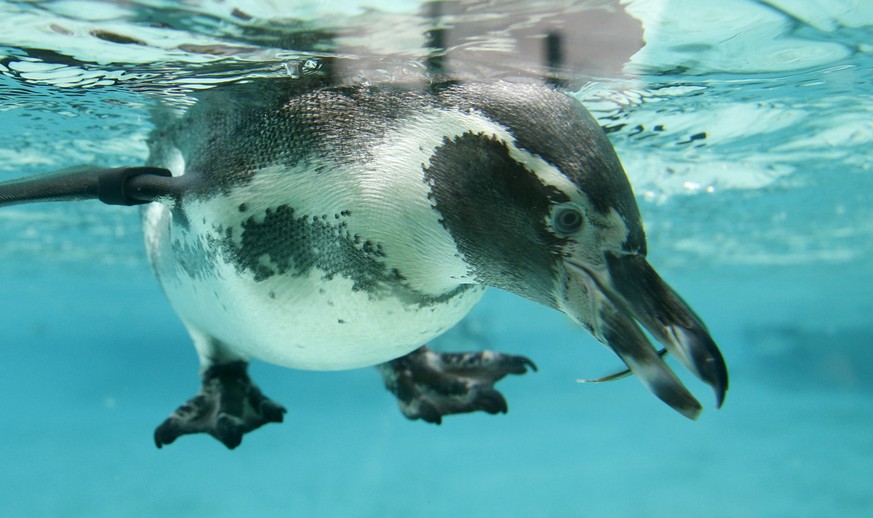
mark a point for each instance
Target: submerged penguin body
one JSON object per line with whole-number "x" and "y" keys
{"x": 320, "y": 241}
{"x": 317, "y": 244}
{"x": 346, "y": 226}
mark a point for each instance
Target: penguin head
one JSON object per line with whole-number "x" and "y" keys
{"x": 540, "y": 206}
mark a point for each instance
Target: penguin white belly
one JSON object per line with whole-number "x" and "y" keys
{"x": 296, "y": 269}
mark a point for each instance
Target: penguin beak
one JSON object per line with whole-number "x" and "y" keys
{"x": 629, "y": 292}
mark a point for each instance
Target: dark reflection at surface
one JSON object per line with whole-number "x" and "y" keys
{"x": 561, "y": 43}
{"x": 554, "y": 57}
{"x": 556, "y": 40}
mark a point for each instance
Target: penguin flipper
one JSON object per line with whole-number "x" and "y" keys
{"x": 118, "y": 186}
{"x": 429, "y": 385}
{"x": 228, "y": 406}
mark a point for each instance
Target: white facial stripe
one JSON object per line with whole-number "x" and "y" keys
{"x": 455, "y": 123}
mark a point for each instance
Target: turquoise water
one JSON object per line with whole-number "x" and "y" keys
{"x": 747, "y": 131}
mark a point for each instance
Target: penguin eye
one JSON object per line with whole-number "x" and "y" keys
{"x": 567, "y": 219}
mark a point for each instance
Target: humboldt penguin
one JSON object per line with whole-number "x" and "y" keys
{"x": 344, "y": 226}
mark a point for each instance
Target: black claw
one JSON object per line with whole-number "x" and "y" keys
{"x": 228, "y": 430}
{"x": 272, "y": 412}
{"x": 166, "y": 433}
{"x": 228, "y": 406}
{"x": 526, "y": 362}
{"x": 429, "y": 414}
{"x": 493, "y": 402}
{"x": 517, "y": 364}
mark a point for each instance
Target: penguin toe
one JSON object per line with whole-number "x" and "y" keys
{"x": 228, "y": 430}
{"x": 427, "y": 412}
{"x": 271, "y": 411}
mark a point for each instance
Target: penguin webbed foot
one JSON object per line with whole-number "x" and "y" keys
{"x": 228, "y": 406}
{"x": 430, "y": 385}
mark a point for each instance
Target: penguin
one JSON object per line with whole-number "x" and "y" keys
{"x": 338, "y": 227}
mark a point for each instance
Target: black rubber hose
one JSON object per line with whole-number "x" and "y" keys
{"x": 111, "y": 186}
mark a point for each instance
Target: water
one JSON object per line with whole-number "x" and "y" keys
{"x": 745, "y": 127}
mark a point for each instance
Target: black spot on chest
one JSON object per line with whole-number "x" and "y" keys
{"x": 281, "y": 242}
